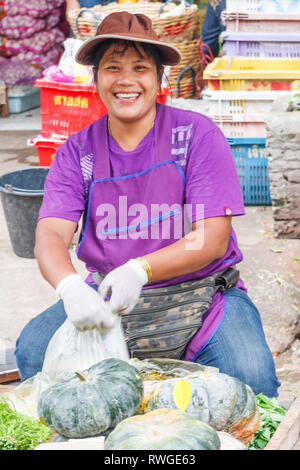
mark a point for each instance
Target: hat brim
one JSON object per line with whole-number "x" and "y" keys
{"x": 170, "y": 54}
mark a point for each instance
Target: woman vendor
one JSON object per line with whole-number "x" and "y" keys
{"x": 117, "y": 172}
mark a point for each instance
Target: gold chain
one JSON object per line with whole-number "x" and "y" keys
{"x": 108, "y": 126}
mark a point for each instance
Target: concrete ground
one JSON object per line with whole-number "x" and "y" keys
{"x": 270, "y": 269}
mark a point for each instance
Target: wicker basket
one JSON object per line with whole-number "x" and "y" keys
{"x": 169, "y": 27}
{"x": 183, "y": 78}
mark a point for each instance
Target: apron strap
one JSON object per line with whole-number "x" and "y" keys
{"x": 99, "y": 135}
{"x": 99, "y": 144}
{"x": 163, "y": 133}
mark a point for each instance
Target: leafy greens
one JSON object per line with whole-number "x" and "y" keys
{"x": 271, "y": 415}
{"x": 18, "y": 431}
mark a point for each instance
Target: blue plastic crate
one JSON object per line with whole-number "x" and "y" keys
{"x": 22, "y": 98}
{"x": 252, "y": 166}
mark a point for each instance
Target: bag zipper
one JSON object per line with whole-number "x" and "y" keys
{"x": 169, "y": 330}
{"x": 167, "y": 307}
{"x": 184, "y": 289}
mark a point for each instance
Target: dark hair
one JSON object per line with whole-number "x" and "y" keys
{"x": 150, "y": 50}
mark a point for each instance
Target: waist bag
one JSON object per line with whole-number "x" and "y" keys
{"x": 165, "y": 319}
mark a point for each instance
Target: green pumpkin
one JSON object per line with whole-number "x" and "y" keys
{"x": 163, "y": 429}
{"x": 222, "y": 401}
{"x": 92, "y": 401}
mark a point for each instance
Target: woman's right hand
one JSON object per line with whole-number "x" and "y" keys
{"x": 83, "y": 305}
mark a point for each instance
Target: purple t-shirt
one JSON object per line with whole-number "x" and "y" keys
{"x": 203, "y": 153}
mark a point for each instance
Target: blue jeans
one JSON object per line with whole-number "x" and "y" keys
{"x": 238, "y": 347}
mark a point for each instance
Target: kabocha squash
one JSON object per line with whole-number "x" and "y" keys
{"x": 163, "y": 429}
{"x": 92, "y": 401}
{"x": 222, "y": 401}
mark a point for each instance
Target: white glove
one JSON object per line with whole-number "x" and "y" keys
{"x": 83, "y": 305}
{"x": 125, "y": 283}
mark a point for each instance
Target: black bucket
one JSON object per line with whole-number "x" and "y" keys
{"x": 22, "y": 194}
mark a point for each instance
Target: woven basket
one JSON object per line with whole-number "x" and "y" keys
{"x": 191, "y": 59}
{"x": 173, "y": 27}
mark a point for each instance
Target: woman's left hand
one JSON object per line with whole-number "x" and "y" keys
{"x": 125, "y": 285}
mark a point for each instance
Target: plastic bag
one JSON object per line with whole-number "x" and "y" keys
{"x": 44, "y": 60}
{"x": 34, "y": 8}
{"x": 21, "y": 26}
{"x": 55, "y": 74}
{"x": 24, "y": 26}
{"x": 69, "y": 66}
{"x": 16, "y": 72}
{"x": 69, "y": 350}
{"x": 39, "y": 43}
{"x": 68, "y": 70}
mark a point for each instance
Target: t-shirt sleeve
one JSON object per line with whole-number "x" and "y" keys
{"x": 64, "y": 195}
{"x": 212, "y": 184}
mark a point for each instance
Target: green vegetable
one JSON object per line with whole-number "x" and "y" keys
{"x": 92, "y": 401}
{"x": 7, "y": 443}
{"x": 271, "y": 415}
{"x": 222, "y": 401}
{"x": 18, "y": 431}
{"x": 163, "y": 429}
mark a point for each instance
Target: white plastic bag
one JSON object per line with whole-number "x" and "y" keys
{"x": 67, "y": 69}
{"x": 69, "y": 350}
{"x": 68, "y": 65}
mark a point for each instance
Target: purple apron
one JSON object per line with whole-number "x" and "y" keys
{"x": 113, "y": 233}
{"x": 131, "y": 215}
{"x": 122, "y": 220}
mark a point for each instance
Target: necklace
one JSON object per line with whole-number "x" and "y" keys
{"x": 108, "y": 126}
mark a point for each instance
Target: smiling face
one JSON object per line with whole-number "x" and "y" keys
{"x": 128, "y": 81}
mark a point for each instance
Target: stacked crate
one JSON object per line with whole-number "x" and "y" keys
{"x": 260, "y": 61}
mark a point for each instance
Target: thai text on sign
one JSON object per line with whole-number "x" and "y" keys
{"x": 76, "y": 101}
